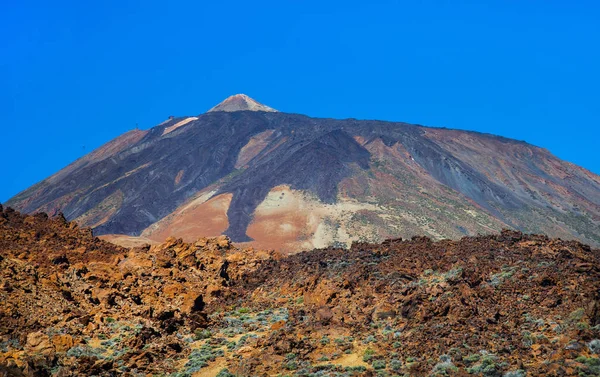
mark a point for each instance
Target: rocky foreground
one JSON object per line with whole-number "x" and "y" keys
{"x": 503, "y": 305}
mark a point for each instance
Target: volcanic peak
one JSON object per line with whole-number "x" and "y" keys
{"x": 241, "y": 102}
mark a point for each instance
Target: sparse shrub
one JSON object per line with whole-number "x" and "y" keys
{"x": 591, "y": 366}
{"x": 6, "y": 345}
{"x": 487, "y": 365}
{"x": 536, "y": 321}
{"x": 225, "y": 373}
{"x": 455, "y": 353}
{"x": 370, "y": 339}
{"x": 244, "y": 339}
{"x": 199, "y": 358}
{"x": 515, "y": 373}
{"x": 85, "y": 350}
{"x": 324, "y": 340}
{"x": 368, "y": 355}
{"x": 444, "y": 366}
{"x": 246, "y": 318}
{"x": 499, "y": 278}
{"x": 279, "y": 315}
{"x": 396, "y": 365}
{"x": 232, "y": 331}
{"x": 201, "y": 334}
{"x": 378, "y": 364}
{"x": 453, "y": 273}
{"x": 445, "y": 359}
{"x": 111, "y": 343}
{"x": 557, "y": 328}
{"x": 358, "y": 368}
{"x": 527, "y": 338}
{"x": 577, "y": 315}
{"x": 594, "y": 346}
{"x": 471, "y": 359}
{"x": 121, "y": 352}
{"x": 583, "y": 326}
{"x": 291, "y": 365}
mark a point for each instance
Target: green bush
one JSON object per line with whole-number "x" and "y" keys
{"x": 199, "y": 358}
{"x": 396, "y": 365}
{"x": 85, "y": 350}
{"x": 591, "y": 366}
{"x": 291, "y": 365}
{"x": 444, "y": 366}
{"x": 201, "y": 334}
{"x": 358, "y": 368}
{"x": 378, "y": 364}
{"x": 577, "y": 315}
{"x": 370, "y": 339}
{"x": 368, "y": 355}
{"x": 470, "y": 359}
{"x": 499, "y": 278}
{"x": 487, "y": 365}
{"x": 225, "y": 373}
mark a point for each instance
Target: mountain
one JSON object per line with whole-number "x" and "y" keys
{"x": 292, "y": 182}
{"x": 240, "y": 102}
{"x": 499, "y": 305}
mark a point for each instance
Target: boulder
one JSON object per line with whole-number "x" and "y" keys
{"x": 62, "y": 343}
{"x": 38, "y": 342}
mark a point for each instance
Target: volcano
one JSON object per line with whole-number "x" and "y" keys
{"x": 291, "y": 182}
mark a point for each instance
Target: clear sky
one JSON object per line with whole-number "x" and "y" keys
{"x": 75, "y": 74}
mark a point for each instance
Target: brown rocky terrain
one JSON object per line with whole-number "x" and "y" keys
{"x": 508, "y": 304}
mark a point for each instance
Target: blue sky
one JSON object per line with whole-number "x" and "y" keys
{"x": 76, "y": 74}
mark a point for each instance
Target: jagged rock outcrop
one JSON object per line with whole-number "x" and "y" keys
{"x": 64, "y": 291}
{"x": 511, "y": 303}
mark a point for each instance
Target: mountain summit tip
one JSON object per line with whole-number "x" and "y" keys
{"x": 240, "y": 102}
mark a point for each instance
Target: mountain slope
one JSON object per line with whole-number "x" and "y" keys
{"x": 292, "y": 182}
